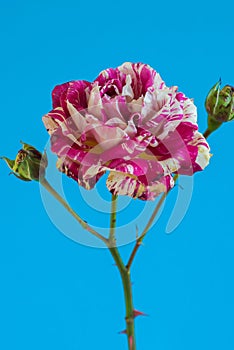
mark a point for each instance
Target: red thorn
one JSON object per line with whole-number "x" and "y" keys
{"x": 123, "y": 332}
{"x": 138, "y": 313}
{"x": 130, "y": 341}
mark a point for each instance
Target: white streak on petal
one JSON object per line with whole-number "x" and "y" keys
{"x": 127, "y": 89}
{"x": 203, "y": 156}
{"x": 77, "y": 118}
{"x": 95, "y": 103}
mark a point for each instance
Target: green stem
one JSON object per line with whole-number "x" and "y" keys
{"x": 207, "y": 133}
{"x": 127, "y": 287}
{"x": 112, "y": 240}
{"x": 129, "y": 319}
{"x": 125, "y": 277}
{"x": 83, "y": 223}
{"x": 147, "y": 227}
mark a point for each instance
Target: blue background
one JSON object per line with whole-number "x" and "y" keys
{"x": 57, "y": 294}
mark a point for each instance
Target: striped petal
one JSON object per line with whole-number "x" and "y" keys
{"x": 130, "y": 124}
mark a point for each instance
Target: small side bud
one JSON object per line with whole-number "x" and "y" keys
{"x": 219, "y": 105}
{"x": 29, "y": 163}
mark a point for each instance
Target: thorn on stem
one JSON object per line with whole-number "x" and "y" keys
{"x": 123, "y": 332}
{"x": 130, "y": 342}
{"x": 138, "y": 313}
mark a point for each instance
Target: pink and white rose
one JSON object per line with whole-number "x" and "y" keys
{"x": 127, "y": 123}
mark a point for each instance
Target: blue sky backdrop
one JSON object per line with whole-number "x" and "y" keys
{"x": 57, "y": 294}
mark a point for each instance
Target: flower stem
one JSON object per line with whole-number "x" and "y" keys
{"x": 147, "y": 227}
{"x": 83, "y": 223}
{"x": 112, "y": 239}
{"x": 129, "y": 319}
{"x": 207, "y": 133}
{"x": 125, "y": 277}
{"x": 127, "y": 287}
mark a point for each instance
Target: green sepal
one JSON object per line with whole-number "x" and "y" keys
{"x": 213, "y": 124}
{"x": 19, "y": 176}
{"x": 211, "y": 98}
{"x": 9, "y": 162}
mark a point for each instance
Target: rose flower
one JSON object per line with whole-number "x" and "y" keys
{"x": 127, "y": 123}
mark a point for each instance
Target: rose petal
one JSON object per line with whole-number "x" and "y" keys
{"x": 129, "y": 123}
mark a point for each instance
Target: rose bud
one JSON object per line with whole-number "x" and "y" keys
{"x": 219, "y": 105}
{"x": 29, "y": 163}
